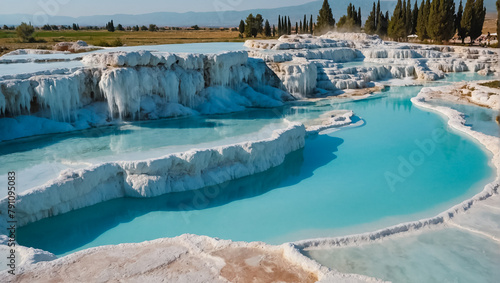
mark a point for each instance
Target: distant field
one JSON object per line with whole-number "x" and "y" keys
{"x": 47, "y": 39}
{"x": 490, "y": 23}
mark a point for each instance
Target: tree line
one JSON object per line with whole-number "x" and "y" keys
{"x": 377, "y": 22}
{"x": 352, "y": 20}
{"x": 254, "y": 25}
{"x": 437, "y": 20}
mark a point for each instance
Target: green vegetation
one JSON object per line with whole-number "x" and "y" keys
{"x": 254, "y": 25}
{"x": 47, "y": 39}
{"x": 25, "y": 32}
{"x": 267, "y": 29}
{"x": 396, "y": 28}
{"x": 423, "y": 19}
{"x": 441, "y": 24}
{"x": 493, "y": 84}
{"x": 436, "y": 20}
{"x": 325, "y": 21}
{"x": 241, "y": 29}
{"x": 114, "y": 43}
{"x": 153, "y": 27}
{"x": 370, "y": 24}
{"x": 461, "y": 31}
{"x": 110, "y": 26}
{"x": 351, "y": 21}
{"x": 473, "y": 19}
{"x": 284, "y": 25}
{"x": 377, "y": 23}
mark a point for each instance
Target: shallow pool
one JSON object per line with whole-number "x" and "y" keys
{"x": 402, "y": 164}
{"x": 448, "y": 255}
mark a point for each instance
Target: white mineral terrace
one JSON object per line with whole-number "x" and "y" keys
{"x": 112, "y": 87}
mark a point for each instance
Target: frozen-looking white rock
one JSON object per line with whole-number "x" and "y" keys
{"x": 190, "y": 170}
{"x": 465, "y": 92}
{"x": 75, "y": 47}
{"x": 24, "y": 256}
{"x": 457, "y": 122}
{"x": 187, "y": 258}
{"x": 387, "y": 59}
{"x": 136, "y": 85}
{"x": 152, "y": 85}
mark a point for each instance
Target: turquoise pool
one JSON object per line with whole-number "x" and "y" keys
{"x": 344, "y": 182}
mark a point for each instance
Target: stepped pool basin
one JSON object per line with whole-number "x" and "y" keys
{"x": 129, "y": 144}
{"x": 401, "y": 164}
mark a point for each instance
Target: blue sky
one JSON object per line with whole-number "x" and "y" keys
{"x": 77, "y": 8}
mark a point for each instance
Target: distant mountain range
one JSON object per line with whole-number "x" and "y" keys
{"x": 211, "y": 19}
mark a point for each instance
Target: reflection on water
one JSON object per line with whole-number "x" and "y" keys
{"x": 337, "y": 181}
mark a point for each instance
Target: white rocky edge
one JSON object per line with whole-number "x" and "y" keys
{"x": 24, "y": 256}
{"x": 295, "y": 57}
{"x": 457, "y": 122}
{"x": 331, "y": 120}
{"x": 185, "y": 258}
{"x": 465, "y": 92}
{"x": 134, "y": 85}
{"x": 137, "y": 183}
{"x": 190, "y": 170}
{"x": 152, "y": 85}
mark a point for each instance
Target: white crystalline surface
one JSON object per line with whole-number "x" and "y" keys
{"x": 188, "y": 258}
{"x": 431, "y": 256}
{"x": 114, "y": 86}
{"x": 461, "y": 244}
{"x": 179, "y": 172}
{"x": 466, "y": 92}
{"x": 135, "y": 85}
{"x": 465, "y": 249}
{"x": 391, "y": 60}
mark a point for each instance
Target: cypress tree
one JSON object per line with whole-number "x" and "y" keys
{"x": 350, "y": 20}
{"x": 279, "y": 25}
{"x": 267, "y": 29}
{"x": 259, "y": 23}
{"x": 461, "y": 31}
{"x": 284, "y": 25}
{"x": 301, "y": 27}
{"x": 468, "y": 17}
{"x": 414, "y": 18}
{"x": 377, "y": 14}
{"x": 359, "y": 17}
{"x": 274, "y": 31}
{"x": 304, "y": 30}
{"x": 478, "y": 20}
{"x": 423, "y": 16}
{"x": 289, "y": 26}
{"x": 396, "y": 29}
{"x": 433, "y": 24}
{"x": 110, "y": 26}
{"x": 385, "y": 23}
{"x": 296, "y": 28}
{"x": 325, "y": 19}
{"x": 311, "y": 25}
{"x": 408, "y": 18}
{"x": 242, "y": 27}
{"x": 441, "y": 24}
{"x": 403, "y": 8}
{"x": 448, "y": 20}
{"x": 370, "y": 26}
{"x": 250, "y": 28}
